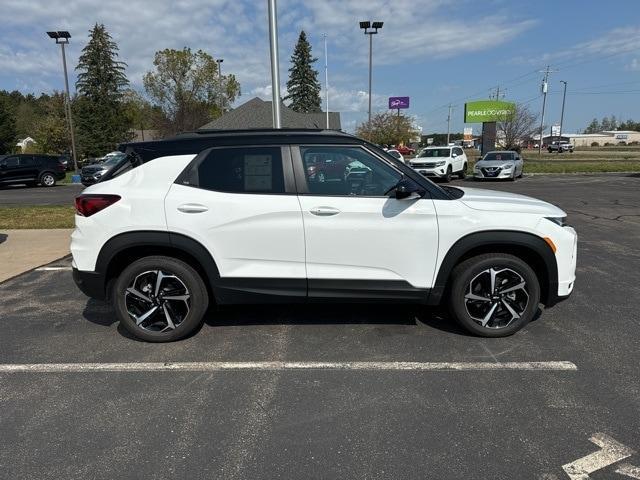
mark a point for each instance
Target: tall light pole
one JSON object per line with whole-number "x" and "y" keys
{"x": 62, "y": 38}
{"x": 326, "y": 78}
{"x": 370, "y": 28}
{"x": 275, "y": 64}
{"x": 219, "y": 62}
{"x": 564, "y": 96}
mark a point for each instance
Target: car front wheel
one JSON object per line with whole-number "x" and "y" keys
{"x": 463, "y": 173}
{"x": 447, "y": 176}
{"x": 160, "y": 299}
{"x": 494, "y": 295}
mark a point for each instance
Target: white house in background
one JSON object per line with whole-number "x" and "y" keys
{"x": 25, "y": 143}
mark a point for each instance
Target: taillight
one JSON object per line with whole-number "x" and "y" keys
{"x": 87, "y": 205}
{"x": 61, "y": 167}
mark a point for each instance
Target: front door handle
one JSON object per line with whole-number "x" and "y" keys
{"x": 192, "y": 208}
{"x": 324, "y": 211}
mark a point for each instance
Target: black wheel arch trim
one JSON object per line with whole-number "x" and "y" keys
{"x": 150, "y": 239}
{"x": 499, "y": 238}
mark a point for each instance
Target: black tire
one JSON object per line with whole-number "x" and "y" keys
{"x": 512, "y": 178}
{"x": 549, "y": 150}
{"x": 447, "y": 177}
{"x": 47, "y": 179}
{"x": 472, "y": 269}
{"x": 463, "y": 173}
{"x": 197, "y": 304}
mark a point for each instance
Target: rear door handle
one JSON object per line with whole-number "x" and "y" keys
{"x": 192, "y": 208}
{"x": 324, "y": 211}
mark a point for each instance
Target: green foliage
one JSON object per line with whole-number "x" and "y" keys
{"x": 303, "y": 87}
{"x": 387, "y": 128}
{"x": 186, "y": 86}
{"x": 7, "y": 127}
{"x": 98, "y": 108}
{"x": 611, "y": 123}
{"x": 51, "y": 130}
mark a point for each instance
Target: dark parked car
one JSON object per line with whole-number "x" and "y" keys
{"x": 30, "y": 169}
{"x": 93, "y": 173}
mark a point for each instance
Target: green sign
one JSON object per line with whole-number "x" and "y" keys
{"x": 488, "y": 111}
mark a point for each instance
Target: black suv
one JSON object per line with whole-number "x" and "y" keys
{"x": 31, "y": 169}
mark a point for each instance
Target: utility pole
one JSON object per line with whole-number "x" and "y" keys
{"x": 62, "y": 39}
{"x": 326, "y": 78}
{"x": 448, "y": 125}
{"x": 545, "y": 87}
{"x": 275, "y": 63}
{"x": 564, "y": 96}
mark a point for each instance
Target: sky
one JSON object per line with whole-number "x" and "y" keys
{"x": 435, "y": 51}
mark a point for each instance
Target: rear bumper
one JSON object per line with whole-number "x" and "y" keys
{"x": 92, "y": 284}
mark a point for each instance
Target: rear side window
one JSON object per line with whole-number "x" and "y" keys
{"x": 238, "y": 170}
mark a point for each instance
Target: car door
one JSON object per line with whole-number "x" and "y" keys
{"x": 10, "y": 169}
{"x": 361, "y": 242}
{"x": 30, "y": 166}
{"x": 459, "y": 160}
{"x": 240, "y": 203}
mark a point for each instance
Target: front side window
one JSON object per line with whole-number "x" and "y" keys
{"x": 239, "y": 170}
{"x": 346, "y": 171}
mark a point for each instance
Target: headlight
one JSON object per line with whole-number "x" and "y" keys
{"x": 560, "y": 221}
{"x": 440, "y": 164}
{"x": 508, "y": 166}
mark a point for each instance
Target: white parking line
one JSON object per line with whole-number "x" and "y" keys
{"x": 51, "y": 269}
{"x": 611, "y": 451}
{"x": 272, "y": 366}
{"x": 629, "y": 470}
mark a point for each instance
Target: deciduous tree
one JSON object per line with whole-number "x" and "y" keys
{"x": 516, "y": 128}
{"x": 187, "y": 88}
{"x": 387, "y": 128}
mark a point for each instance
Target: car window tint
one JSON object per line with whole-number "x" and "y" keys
{"x": 240, "y": 170}
{"x": 11, "y": 161}
{"x": 346, "y": 171}
{"x": 27, "y": 161}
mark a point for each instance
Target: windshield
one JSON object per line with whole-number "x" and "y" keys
{"x": 436, "y": 152}
{"x": 499, "y": 156}
{"x": 113, "y": 160}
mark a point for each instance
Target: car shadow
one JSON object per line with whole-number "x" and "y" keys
{"x": 101, "y": 313}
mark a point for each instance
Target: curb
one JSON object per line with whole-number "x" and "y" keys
{"x": 33, "y": 269}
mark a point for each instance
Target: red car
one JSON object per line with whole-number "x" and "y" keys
{"x": 404, "y": 150}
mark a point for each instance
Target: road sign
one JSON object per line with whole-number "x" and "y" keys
{"x": 555, "y": 130}
{"x": 398, "y": 102}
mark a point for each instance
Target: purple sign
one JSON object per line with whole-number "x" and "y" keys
{"x": 398, "y": 102}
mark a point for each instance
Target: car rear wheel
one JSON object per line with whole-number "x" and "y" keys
{"x": 494, "y": 295}
{"x": 47, "y": 179}
{"x": 160, "y": 299}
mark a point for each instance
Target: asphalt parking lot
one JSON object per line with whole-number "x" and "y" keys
{"x": 61, "y": 194}
{"x": 341, "y": 422}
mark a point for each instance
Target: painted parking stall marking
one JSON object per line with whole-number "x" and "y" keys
{"x": 277, "y": 366}
{"x": 611, "y": 451}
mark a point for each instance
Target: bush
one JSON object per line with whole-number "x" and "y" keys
{"x": 595, "y": 144}
{"x": 634, "y": 143}
{"x": 622, "y": 143}
{"x": 608, "y": 144}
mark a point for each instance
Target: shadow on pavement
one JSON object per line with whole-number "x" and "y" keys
{"x": 101, "y": 313}
{"x": 3, "y": 237}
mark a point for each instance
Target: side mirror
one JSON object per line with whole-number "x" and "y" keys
{"x": 407, "y": 189}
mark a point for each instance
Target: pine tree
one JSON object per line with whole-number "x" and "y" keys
{"x": 101, "y": 122}
{"x": 303, "y": 86}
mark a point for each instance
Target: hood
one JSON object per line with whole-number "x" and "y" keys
{"x": 493, "y": 163}
{"x": 91, "y": 169}
{"x": 491, "y": 200}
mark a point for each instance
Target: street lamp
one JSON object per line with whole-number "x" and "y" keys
{"x": 370, "y": 28}
{"x": 564, "y": 96}
{"x": 62, "y": 38}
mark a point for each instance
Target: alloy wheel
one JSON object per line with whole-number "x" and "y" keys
{"x": 48, "y": 180}
{"x": 157, "y": 301}
{"x": 496, "y": 297}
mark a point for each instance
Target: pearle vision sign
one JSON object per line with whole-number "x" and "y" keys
{"x": 488, "y": 111}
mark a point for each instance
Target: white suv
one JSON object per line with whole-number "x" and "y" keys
{"x": 243, "y": 217}
{"x": 441, "y": 162}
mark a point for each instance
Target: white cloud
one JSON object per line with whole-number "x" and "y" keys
{"x": 634, "y": 65}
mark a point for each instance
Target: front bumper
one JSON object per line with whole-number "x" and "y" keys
{"x": 501, "y": 173}
{"x": 436, "y": 172}
{"x": 92, "y": 284}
